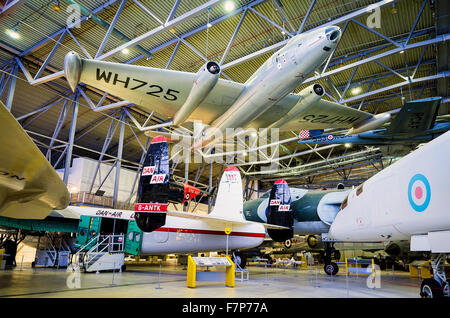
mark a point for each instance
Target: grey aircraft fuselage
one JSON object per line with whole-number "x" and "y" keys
{"x": 281, "y": 74}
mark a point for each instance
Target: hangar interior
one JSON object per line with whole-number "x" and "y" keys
{"x": 390, "y": 53}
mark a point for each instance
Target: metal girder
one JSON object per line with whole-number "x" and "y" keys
{"x": 302, "y": 26}
{"x": 110, "y": 29}
{"x": 73, "y": 125}
{"x": 230, "y": 43}
{"x": 339, "y": 20}
{"x": 162, "y": 28}
{"x": 391, "y": 87}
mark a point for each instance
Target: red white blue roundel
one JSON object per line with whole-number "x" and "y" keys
{"x": 330, "y": 137}
{"x": 419, "y": 192}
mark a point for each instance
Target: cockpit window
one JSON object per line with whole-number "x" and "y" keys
{"x": 359, "y": 189}
{"x": 344, "y": 203}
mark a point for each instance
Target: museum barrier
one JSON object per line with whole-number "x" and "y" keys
{"x": 355, "y": 266}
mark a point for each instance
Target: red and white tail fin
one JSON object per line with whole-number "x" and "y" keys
{"x": 229, "y": 202}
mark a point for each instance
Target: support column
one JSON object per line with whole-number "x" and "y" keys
{"x": 73, "y": 126}
{"x": 119, "y": 159}
{"x": 12, "y": 87}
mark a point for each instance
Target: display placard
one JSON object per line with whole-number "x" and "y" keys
{"x": 211, "y": 261}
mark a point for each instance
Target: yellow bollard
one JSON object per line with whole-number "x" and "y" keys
{"x": 229, "y": 274}
{"x": 191, "y": 272}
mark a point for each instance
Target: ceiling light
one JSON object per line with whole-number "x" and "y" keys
{"x": 393, "y": 9}
{"x": 209, "y": 25}
{"x": 229, "y": 6}
{"x": 401, "y": 52}
{"x": 282, "y": 32}
{"x": 56, "y": 6}
{"x": 356, "y": 90}
{"x": 13, "y": 33}
{"x": 125, "y": 51}
{"x": 347, "y": 145}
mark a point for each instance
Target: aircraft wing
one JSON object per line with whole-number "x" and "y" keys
{"x": 321, "y": 114}
{"x": 29, "y": 186}
{"x": 161, "y": 90}
{"x": 207, "y": 217}
{"x": 415, "y": 116}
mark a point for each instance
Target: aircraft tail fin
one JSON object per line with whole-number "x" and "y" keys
{"x": 229, "y": 202}
{"x": 279, "y": 212}
{"x": 153, "y": 191}
{"x": 415, "y": 116}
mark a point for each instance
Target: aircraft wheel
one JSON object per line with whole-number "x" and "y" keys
{"x": 240, "y": 259}
{"x": 288, "y": 243}
{"x": 430, "y": 288}
{"x": 331, "y": 268}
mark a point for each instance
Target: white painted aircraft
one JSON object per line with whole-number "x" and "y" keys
{"x": 407, "y": 200}
{"x": 31, "y": 190}
{"x": 187, "y": 232}
{"x": 263, "y": 101}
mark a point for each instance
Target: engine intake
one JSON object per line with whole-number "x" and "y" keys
{"x": 279, "y": 212}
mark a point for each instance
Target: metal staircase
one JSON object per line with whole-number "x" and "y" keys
{"x": 100, "y": 253}
{"x": 53, "y": 251}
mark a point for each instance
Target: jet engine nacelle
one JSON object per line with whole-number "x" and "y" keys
{"x": 279, "y": 212}
{"x": 309, "y": 95}
{"x": 204, "y": 82}
{"x": 153, "y": 191}
{"x": 72, "y": 69}
{"x": 372, "y": 123}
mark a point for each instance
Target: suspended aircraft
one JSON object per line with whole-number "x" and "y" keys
{"x": 407, "y": 200}
{"x": 263, "y": 101}
{"x": 415, "y": 123}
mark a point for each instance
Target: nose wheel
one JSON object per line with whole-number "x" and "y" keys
{"x": 439, "y": 285}
{"x": 331, "y": 268}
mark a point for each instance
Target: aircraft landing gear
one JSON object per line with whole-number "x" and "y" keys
{"x": 239, "y": 258}
{"x": 438, "y": 286}
{"x": 331, "y": 268}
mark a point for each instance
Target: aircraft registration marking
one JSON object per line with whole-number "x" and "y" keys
{"x": 134, "y": 83}
{"x": 326, "y": 119}
{"x": 150, "y": 207}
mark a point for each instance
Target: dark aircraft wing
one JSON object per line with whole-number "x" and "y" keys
{"x": 29, "y": 186}
{"x": 415, "y": 116}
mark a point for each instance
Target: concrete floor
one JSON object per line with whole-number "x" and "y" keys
{"x": 143, "y": 281}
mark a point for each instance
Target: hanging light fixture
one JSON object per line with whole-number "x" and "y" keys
{"x": 56, "y": 6}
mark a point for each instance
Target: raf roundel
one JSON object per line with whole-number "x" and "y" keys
{"x": 419, "y": 192}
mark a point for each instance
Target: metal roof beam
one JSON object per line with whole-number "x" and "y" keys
{"x": 339, "y": 20}
{"x": 188, "y": 15}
